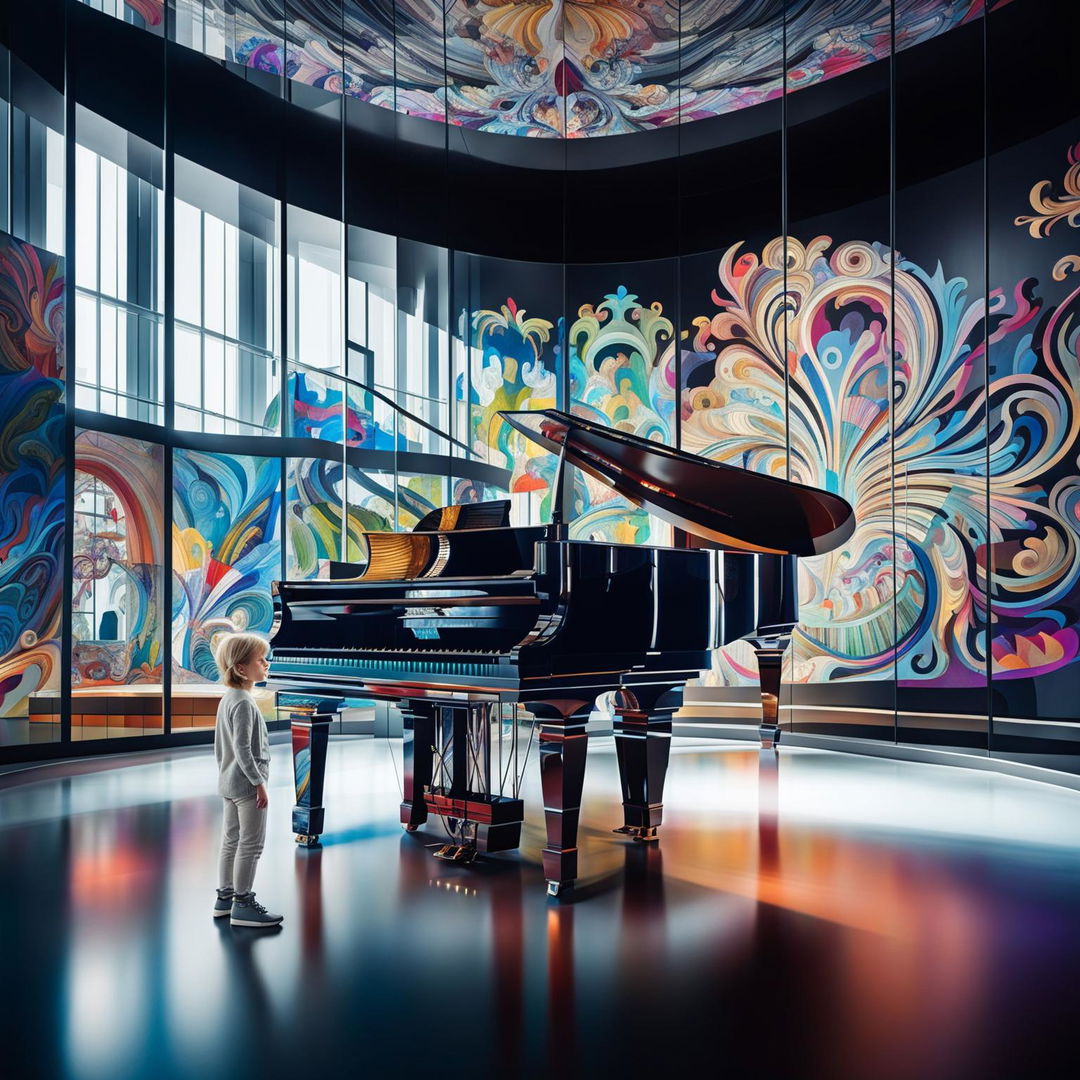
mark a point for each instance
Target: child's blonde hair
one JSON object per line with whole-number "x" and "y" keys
{"x": 235, "y": 649}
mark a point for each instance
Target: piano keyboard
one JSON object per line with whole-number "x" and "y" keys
{"x": 366, "y": 667}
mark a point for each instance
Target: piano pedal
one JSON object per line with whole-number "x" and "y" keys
{"x": 644, "y": 833}
{"x": 456, "y": 853}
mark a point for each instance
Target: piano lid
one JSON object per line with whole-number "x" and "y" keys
{"x": 719, "y": 504}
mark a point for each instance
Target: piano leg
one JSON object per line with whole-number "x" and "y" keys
{"x": 417, "y": 745}
{"x": 643, "y": 746}
{"x": 310, "y": 735}
{"x": 563, "y": 744}
{"x": 770, "y": 656}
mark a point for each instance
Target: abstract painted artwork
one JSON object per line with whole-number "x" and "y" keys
{"x": 563, "y": 68}
{"x": 324, "y": 407}
{"x": 117, "y": 561}
{"x": 31, "y": 472}
{"x": 622, "y": 373}
{"x": 514, "y": 365}
{"x": 317, "y": 493}
{"x": 925, "y": 476}
{"x": 907, "y": 594}
{"x": 226, "y": 551}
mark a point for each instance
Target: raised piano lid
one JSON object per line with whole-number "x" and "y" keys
{"x": 719, "y": 504}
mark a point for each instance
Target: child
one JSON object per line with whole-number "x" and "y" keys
{"x": 242, "y": 749}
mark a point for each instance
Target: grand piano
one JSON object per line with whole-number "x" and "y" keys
{"x": 466, "y": 618}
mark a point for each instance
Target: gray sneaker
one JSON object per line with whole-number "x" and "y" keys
{"x": 247, "y": 911}
{"x": 223, "y": 903}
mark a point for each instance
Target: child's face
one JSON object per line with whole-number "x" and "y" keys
{"x": 255, "y": 668}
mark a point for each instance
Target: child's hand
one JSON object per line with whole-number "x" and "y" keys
{"x": 262, "y": 799}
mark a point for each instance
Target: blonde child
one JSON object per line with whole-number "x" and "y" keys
{"x": 242, "y": 749}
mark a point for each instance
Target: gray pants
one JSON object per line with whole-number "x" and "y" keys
{"x": 241, "y": 843}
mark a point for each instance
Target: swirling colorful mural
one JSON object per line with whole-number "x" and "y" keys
{"x": 565, "y": 68}
{"x": 118, "y": 555}
{"x": 316, "y": 494}
{"x": 226, "y": 551}
{"x": 791, "y": 373}
{"x": 31, "y": 471}
{"x": 835, "y": 403}
{"x": 511, "y": 369}
{"x": 622, "y": 373}
{"x": 327, "y": 408}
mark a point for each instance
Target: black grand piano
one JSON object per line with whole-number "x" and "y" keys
{"x": 466, "y": 617}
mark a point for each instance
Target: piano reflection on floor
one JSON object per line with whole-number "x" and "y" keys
{"x": 466, "y": 618}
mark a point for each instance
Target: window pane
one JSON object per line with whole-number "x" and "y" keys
{"x": 86, "y": 330}
{"x": 214, "y": 274}
{"x": 214, "y": 369}
{"x": 86, "y": 218}
{"x": 188, "y": 368}
{"x": 188, "y": 284}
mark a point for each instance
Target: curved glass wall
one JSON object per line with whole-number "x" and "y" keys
{"x": 258, "y": 377}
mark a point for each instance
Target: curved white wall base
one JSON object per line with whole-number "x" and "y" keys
{"x": 876, "y": 748}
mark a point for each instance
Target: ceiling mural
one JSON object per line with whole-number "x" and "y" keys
{"x": 559, "y": 68}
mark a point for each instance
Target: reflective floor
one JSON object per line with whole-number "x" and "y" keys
{"x": 834, "y": 917}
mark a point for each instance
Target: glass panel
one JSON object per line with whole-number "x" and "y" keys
{"x": 732, "y": 383}
{"x": 508, "y": 313}
{"x": 119, "y": 227}
{"x": 226, "y": 552}
{"x": 86, "y": 218}
{"x": 5, "y": 138}
{"x": 145, "y": 14}
{"x": 1034, "y": 393}
{"x": 117, "y": 566}
{"x": 837, "y": 320}
{"x": 31, "y": 492}
{"x": 423, "y": 348}
{"x": 227, "y": 305}
{"x": 371, "y": 503}
{"x": 372, "y": 336}
{"x": 213, "y": 273}
{"x": 188, "y": 224}
{"x": 417, "y": 496}
{"x": 314, "y": 506}
{"x": 369, "y": 51}
{"x": 37, "y": 161}
{"x": 315, "y": 317}
{"x": 317, "y": 405}
{"x": 187, "y": 358}
{"x": 940, "y": 406}
{"x": 621, "y": 345}
{"x": 86, "y": 351}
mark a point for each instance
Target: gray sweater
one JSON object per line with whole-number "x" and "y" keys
{"x": 241, "y": 745}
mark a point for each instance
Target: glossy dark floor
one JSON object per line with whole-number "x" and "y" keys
{"x": 842, "y": 917}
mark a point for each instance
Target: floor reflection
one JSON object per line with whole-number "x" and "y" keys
{"x": 930, "y": 931}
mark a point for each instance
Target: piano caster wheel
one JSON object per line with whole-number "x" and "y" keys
{"x": 303, "y": 840}
{"x": 410, "y": 828}
{"x": 553, "y": 888}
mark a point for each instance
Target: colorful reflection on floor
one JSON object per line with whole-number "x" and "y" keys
{"x": 826, "y": 916}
